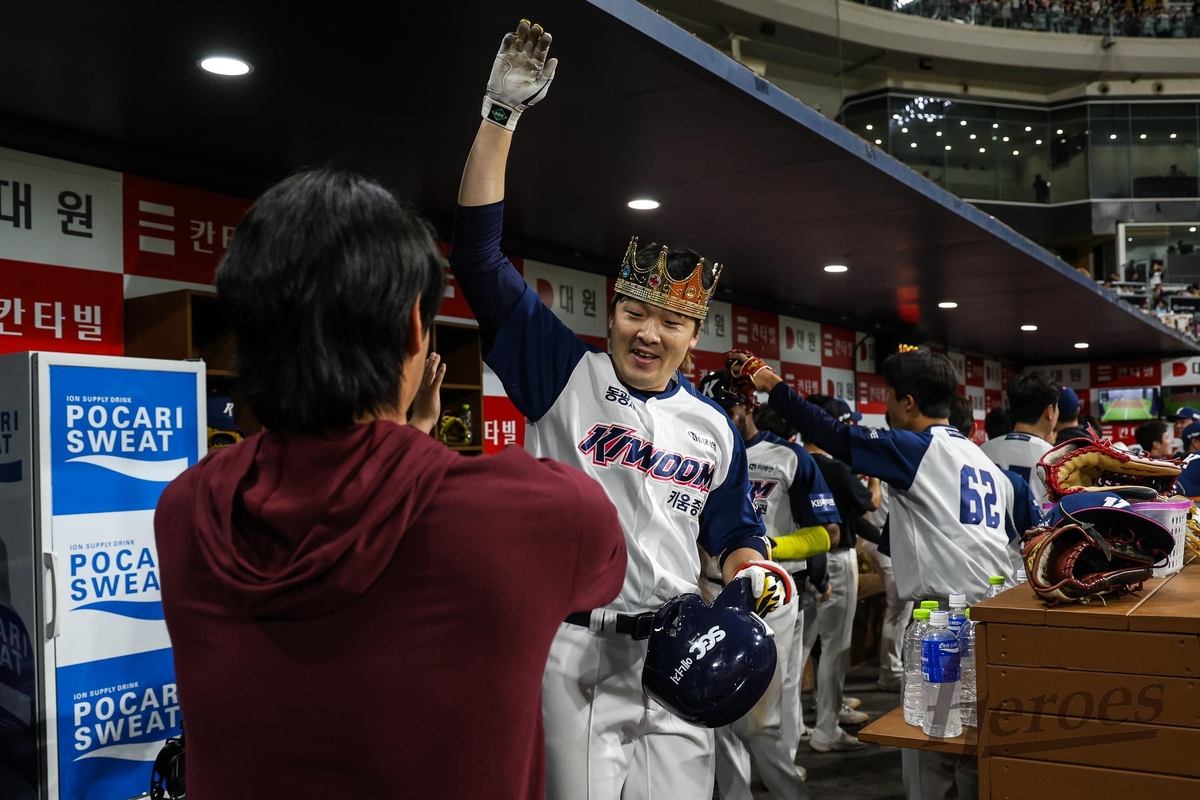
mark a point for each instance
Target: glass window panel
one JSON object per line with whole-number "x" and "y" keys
{"x": 868, "y": 119}
{"x": 1024, "y": 164}
{"x": 1067, "y": 139}
{"x": 971, "y": 163}
{"x": 1163, "y": 157}
{"x": 1109, "y": 157}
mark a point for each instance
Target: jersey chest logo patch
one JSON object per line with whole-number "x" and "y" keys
{"x": 761, "y": 489}
{"x": 620, "y": 445}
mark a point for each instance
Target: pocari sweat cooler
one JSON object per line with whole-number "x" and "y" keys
{"x": 87, "y": 682}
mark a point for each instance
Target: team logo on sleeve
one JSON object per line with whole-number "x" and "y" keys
{"x": 620, "y": 445}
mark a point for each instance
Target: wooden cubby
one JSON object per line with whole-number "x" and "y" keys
{"x": 189, "y": 324}
{"x": 458, "y": 345}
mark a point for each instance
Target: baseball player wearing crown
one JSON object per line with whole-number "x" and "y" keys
{"x": 670, "y": 461}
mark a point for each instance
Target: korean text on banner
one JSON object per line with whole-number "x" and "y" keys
{"x": 175, "y": 232}
{"x": 58, "y": 213}
{"x": 60, "y": 309}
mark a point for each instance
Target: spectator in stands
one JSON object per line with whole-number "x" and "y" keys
{"x": 1156, "y": 272}
{"x": 1155, "y": 439}
{"x": 1041, "y": 189}
{"x": 998, "y": 422}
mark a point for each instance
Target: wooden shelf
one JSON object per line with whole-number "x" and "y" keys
{"x": 893, "y": 731}
{"x": 467, "y": 448}
{"x": 220, "y": 373}
{"x": 470, "y": 387}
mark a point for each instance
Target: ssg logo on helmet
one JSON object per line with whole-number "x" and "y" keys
{"x": 707, "y": 641}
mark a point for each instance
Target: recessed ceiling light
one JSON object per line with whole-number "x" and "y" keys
{"x": 1172, "y": 136}
{"x": 870, "y": 127}
{"x": 939, "y": 133}
{"x": 1006, "y": 138}
{"x": 1028, "y": 129}
{"x": 914, "y": 144}
{"x": 1192, "y": 229}
{"x": 983, "y": 149}
{"x": 836, "y": 268}
{"x": 1016, "y": 152}
{"x": 1081, "y": 345}
{"x": 1130, "y": 239}
{"x": 972, "y": 136}
{"x": 947, "y": 147}
{"x": 643, "y": 204}
{"x": 223, "y": 65}
{"x": 879, "y": 141}
{"x": 904, "y": 130}
{"x": 1143, "y": 136}
{"x": 1029, "y": 327}
{"x": 963, "y": 123}
{"x": 948, "y": 304}
{"x": 1112, "y": 136}
{"x": 1059, "y": 131}
{"x": 1039, "y": 141}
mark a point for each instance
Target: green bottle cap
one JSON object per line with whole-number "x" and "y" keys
{"x": 932, "y": 605}
{"x": 968, "y": 613}
{"x": 996, "y": 580}
{"x": 921, "y": 613}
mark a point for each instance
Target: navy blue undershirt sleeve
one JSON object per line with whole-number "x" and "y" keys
{"x": 487, "y": 279}
{"x": 814, "y": 425}
{"x": 1024, "y": 513}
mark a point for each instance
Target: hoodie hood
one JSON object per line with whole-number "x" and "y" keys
{"x": 297, "y": 526}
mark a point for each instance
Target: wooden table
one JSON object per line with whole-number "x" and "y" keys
{"x": 1086, "y": 702}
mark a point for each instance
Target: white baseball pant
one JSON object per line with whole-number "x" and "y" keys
{"x": 605, "y": 739}
{"x": 835, "y": 626}
{"x": 896, "y": 617}
{"x": 802, "y": 644}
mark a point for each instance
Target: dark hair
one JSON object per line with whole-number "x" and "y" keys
{"x": 1150, "y": 433}
{"x": 998, "y": 423}
{"x": 768, "y": 420}
{"x": 319, "y": 284}
{"x": 962, "y": 414}
{"x": 927, "y": 376}
{"x": 1029, "y": 393}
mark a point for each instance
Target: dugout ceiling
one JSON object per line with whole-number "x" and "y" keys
{"x": 745, "y": 173}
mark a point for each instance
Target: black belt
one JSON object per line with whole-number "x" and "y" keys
{"x": 636, "y": 626}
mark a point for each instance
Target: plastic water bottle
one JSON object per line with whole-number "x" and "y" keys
{"x": 995, "y": 586}
{"x": 958, "y": 617}
{"x": 914, "y": 688}
{"x": 1021, "y": 576}
{"x": 940, "y": 665}
{"x": 967, "y": 698}
{"x": 466, "y": 418}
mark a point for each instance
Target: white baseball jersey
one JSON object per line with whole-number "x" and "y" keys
{"x": 789, "y": 490}
{"x": 672, "y": 462}
{"x": 1020, "y": 452}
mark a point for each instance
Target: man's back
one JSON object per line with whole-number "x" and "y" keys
{"x": 1020, "y": 452}
{"x": 361, "y": 610}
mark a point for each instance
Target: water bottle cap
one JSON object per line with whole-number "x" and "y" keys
{"x": 996, "y": 580}
{"x": 958, "y": 600}
{"x": 466, "y": 405}
{"x": 968, "y": 613}
{"x": 921, "y": 613}
{"x": 932, "y": 605}
{"x": 939, "y": 619}
{"x": 1021, "y": 575}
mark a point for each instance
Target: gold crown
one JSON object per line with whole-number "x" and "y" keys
{"x": 653, "y": 285}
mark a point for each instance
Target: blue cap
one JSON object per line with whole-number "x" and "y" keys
{"x": 846, "y": 413}
{"x": 1110, "y": 510}
{"x": 1187, "y": 412}
{"x": 1191, "y": 433}
{"x": 1068, "y": 403}
{"x": 220, "y": 413}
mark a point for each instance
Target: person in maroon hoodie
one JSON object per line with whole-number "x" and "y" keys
{"x": 355, "y": 610}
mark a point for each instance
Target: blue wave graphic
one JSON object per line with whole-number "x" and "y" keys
{"x": 126, "y": 608}
{"x": 10, "y": 472}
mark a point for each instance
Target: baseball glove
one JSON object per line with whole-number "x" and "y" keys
{"x": 1091, "y": 465}
{"x": 1078, "y": 562}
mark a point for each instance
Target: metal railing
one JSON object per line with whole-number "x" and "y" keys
{"x": 1145, "y": 19}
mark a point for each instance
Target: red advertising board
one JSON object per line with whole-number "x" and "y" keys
{"x": 1110, "y": 374}
{"x": 804, "y": 378}
{"x": 703, "y": 362}
{"x": 175, "y": 232}
{"x": 974, "y": 371}
{"x": 992, "y": 398}
{"x": 837, "y": 347}
{"x": 872, "y": 394}
{"x": 60, "y": 308}
{"x": 756, "y": 331}
{"x": 502, "y": 424}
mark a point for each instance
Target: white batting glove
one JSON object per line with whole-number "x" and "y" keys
{"x": 520, "y": 77}
{"x": 770, "y": 585}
